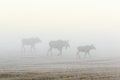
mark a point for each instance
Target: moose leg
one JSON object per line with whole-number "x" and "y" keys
{"x": 85, "y": 54}
{"x": 89, "y": 54}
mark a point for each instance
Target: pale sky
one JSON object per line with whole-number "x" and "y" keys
{"x": 59, "y": 12}
{"x": 97, "y": 19}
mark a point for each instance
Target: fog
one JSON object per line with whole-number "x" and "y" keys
{"x": 79, "y": 22}
{"x": 59, "y": 39}
{"x": 105, "y": 39}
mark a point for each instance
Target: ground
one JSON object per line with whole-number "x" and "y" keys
{"x": 70, "y": 74}
{"x": 37, "y": 67}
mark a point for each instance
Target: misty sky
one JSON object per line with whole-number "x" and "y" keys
{"x": 80, "y": 21}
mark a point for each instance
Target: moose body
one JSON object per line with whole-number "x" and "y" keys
{"x": 59, "y": 45}
{"x": 85, "y": 49}
{"x": 30, "y": 42}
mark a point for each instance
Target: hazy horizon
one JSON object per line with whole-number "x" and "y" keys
{"x": 81, "y": 22}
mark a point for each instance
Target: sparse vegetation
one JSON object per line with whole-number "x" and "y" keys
{"x": 78, "y": 74}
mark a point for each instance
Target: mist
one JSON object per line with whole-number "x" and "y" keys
{"x": 105, "y": 39}
{"x": 79, "y": 22}
{"x": 60, "y": 39}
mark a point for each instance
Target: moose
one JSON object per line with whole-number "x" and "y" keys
{"x": 30, "y": 42}
{"x": 59, "y": 45}
{"x": 85, "y": 49}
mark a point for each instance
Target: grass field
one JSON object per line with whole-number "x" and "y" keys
{"x": 36, "y": 67}
{"x": 72, "y": 74}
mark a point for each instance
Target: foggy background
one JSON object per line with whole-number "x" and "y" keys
{"x": 106, "y": 40}
{"x": 81, "y": 22}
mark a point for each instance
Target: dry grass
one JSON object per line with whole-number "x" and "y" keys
{"x": 76, "y": 74}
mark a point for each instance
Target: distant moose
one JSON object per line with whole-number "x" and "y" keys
{"x": 30, "y": 42}
{"x": 85, "y": 49}
{"x": 59, "y": 45}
